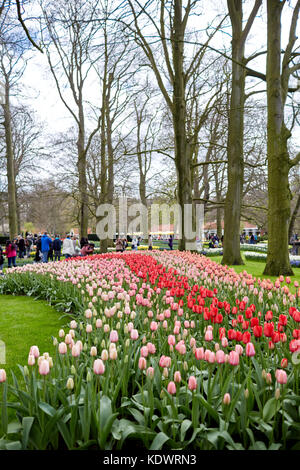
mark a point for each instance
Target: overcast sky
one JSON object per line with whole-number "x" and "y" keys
{"x": 43, "y": 96}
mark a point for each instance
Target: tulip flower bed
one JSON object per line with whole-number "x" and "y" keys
{"x": 166, "y": 350}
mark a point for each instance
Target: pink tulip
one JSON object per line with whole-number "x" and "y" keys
{"x": 208, "y": 335}
{"x": 62, "y": 348}
{"x": 199, "y": 354}
{"x": 250, "y": 350}
{"x": 75, "y": 350}
{"x": 31, "y": 360}
{"x": 226, "y": 399}
{"x": 234, "y": 358}
{"x": 212, "y": 357}
{"x": 171, "y": 388}
{"x": 114, "y": 336}
{"x": 98, "y": 367}
{"x": 171, "y": 340}
{"x": 151, "y": 348}
{"x": 34, "y": 350}
{"x": 220, "y": 357}
{"x": 281, "y": 376}
{"x": 142, "y": 363}
{"x": 144, "y": 351}
{"x": 2, "y": 376}
{"x": 44, "y": 367}
{"x": 150, "y": 372}
{"x": 134, "y": 334}
{"x": 68, "y": 339}
{"x": 239, "y": 349}
{"x": 153, "y": 326}
{"x": 177, "y": 377}
{"x": 192, "y": 383}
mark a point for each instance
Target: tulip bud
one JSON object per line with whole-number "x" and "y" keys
{"x": 165, "y": 372}
{"x": 70, "y": 383}
{"x": 31, "y": 360}
{"x": 226, "y": 399}
{"x": 277, "y": 393}
{"x": 73, "y": 370}
{"x": 246, "y": 393}
{"x": 55, "y": 341}
{"x": 26, "y": 371}
{"x": 88, "y": 376}
{"x": 93, "y": 351}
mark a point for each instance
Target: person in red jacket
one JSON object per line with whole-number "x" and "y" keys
{"x": 11, "y": 253}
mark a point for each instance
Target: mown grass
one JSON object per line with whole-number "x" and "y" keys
{"x": 25, "y": 322}
{"x": 256, "y": 268}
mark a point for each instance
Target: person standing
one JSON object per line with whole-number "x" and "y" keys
{"x": 45, "y": 246}
{"x": 28, "y": 244}
{"x": 21, "y": 246}
{"x": 57, "y": 248}
{"x": 68, "y": 247}
{"x": 76, "y": 245}
{"x": 11, "y": 253}
{"x": 150, "y": 243}
{"x": 134, "y": 243}
{"x": 1, "y": 260}
{"x": 37, "y": 257}
{"x": 119, "y": 245}
{"x": 171, "y": 242}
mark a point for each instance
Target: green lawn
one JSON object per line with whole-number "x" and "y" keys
{"x": 25, "y": 322}
{"x": 256, "y": 269}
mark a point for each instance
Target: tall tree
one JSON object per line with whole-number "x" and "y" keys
{"x": 233, "y": 202}
{"x": 279, "y": 71}
{"x": 71, "y": 60}
{"x": 169, "y": 22}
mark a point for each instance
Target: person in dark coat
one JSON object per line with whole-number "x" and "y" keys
{"x": 57, "y": 248}
{"x": 1, "y": 261}
{"x": 21, "y": 247}
{"x": 37, "y": 257}
{"x": 171, "y": 242}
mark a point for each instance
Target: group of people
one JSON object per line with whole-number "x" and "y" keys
{"x": 252, "y": 238}
{"x": 47, "y": 248}
{"x": 214, "y": 241}
{"x": 121, "y": 243}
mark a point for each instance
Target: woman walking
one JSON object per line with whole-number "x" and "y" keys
{"x": 11, "y": 253}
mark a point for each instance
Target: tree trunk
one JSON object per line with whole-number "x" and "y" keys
{"x": 110, "y": 153}
{"x": 182, "y": 153}
{"x": 278, "y": 158}
{"x": 103, "y": 175}
{"x": 235, "y": 168}
{"x": 11, "y": 183}
{"x": 82, "y": 182}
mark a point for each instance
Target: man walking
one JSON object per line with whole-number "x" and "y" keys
{"x": 45, "y": 246}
